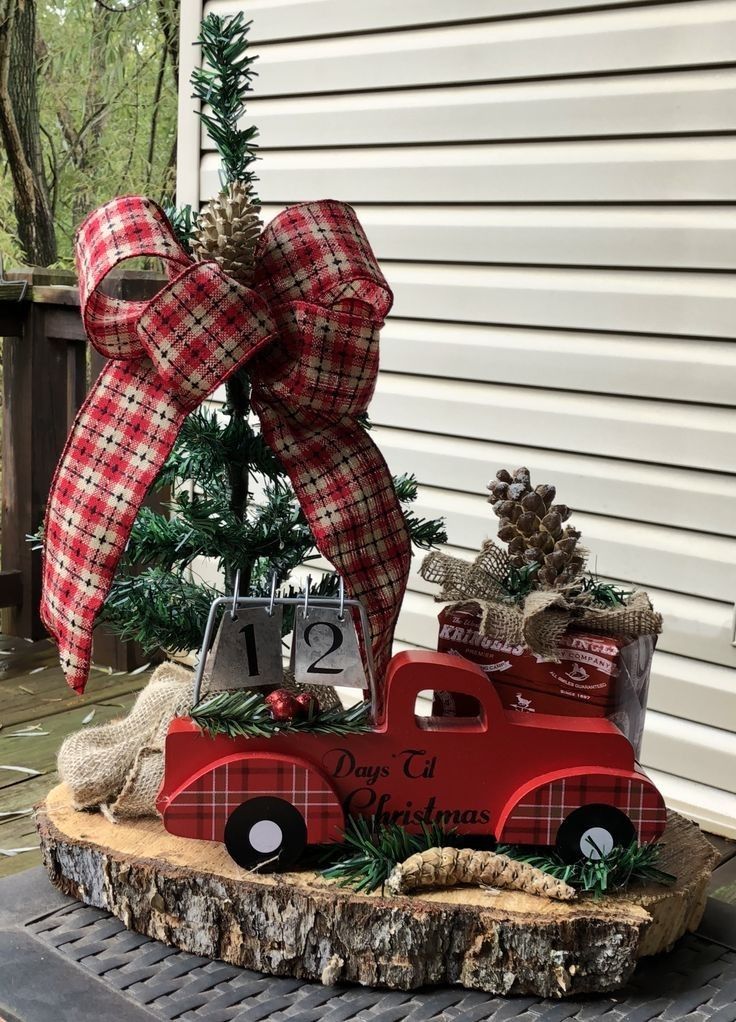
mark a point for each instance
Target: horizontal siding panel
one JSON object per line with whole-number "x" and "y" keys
{"x": 708, "y": 754}
{"x": 713, "y": 808}
{"x": 655, "y": 104}
{"x": 687, "y": 562}
{"x": 618, "y": 489}
{"x": 632, "y": 366}
{"x": 692, "y": 436}
{"x": 693, "y": 628}
{"x": 643, "y": 170}
{"x": 701, "y": 237}
{"x": 646, "y": 302}
{"x": 696, "y": 628}
{"x": 631, "y": 39}
{"x": 290, "y": 19}
{"x": 693, "y": 690}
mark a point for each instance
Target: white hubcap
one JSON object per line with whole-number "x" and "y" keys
{"x": 265, "y": 836}
{"x": 596, "y": 842}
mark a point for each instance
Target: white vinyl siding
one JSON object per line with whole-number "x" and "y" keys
{"x": 550, "y": 186}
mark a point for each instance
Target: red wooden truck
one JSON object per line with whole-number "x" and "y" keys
{"x": 529, "y": 779}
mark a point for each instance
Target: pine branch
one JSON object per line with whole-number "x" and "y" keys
{"x": 207, "y": 445}
{"x": 181, "y": 219}
{"x": 223, "y": 82}
{"x": 371, "y": 850}
{"x": 246, "y": 714}
{"x": 199, "y": 527}
{"x": 425, "y": 532}
{"x": 158, "y": 609}
{"x": 605, "y": 594}
{"x": 617, "y": 870}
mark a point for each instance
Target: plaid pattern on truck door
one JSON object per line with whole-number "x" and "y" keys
{"x": 536, "y": 818}
{"x": 202, "y": 808}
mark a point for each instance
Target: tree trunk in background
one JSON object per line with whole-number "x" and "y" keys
{"x": 20, "y": 130}
{"x": 167, "y": 12}
{"x": 95, "y": 110}
{"x": 168, "y": 18}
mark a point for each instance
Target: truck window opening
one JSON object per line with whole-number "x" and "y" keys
{"x": 427, "y": 717}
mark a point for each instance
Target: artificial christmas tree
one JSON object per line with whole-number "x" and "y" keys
{"x": 232, "y": 502}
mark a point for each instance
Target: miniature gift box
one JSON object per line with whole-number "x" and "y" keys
{"x": 597, "y": 676}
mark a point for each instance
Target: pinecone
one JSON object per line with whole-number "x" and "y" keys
{"x": 227, "y": 232}
{"x": 532, "y": 527}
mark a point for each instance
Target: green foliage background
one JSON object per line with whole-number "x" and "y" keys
{"x": 108, "y": 103}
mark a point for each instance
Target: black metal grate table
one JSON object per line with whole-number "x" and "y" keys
{"x": 60, "y": 960}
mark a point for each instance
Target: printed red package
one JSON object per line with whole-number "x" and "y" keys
{"x": 598, "y": 676}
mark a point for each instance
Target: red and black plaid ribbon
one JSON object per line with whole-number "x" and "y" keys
{"x": 312, "y": 318}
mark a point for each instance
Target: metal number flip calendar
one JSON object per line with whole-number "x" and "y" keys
{"x": 325, "y": 648}
{"x": 245, "y": 649}
{"x": 246, "y": 652}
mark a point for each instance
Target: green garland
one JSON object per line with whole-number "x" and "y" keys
{"x": 371, "y": 850}
{"x": 247, "y": 715}
{"x": 616, "y": 870}
{"x": 605, "y": 594}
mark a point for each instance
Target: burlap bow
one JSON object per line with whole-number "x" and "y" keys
{"x": 312, "y": 318}
{"x": 539, "y": 619}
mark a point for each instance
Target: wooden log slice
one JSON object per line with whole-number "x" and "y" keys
{"x": 192, "y": 895}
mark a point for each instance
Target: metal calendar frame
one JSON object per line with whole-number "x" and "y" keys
{"x": 268, "y": 602}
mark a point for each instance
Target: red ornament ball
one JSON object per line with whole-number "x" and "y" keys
{"x": 282, "y": 704}
{"x": 307, "y": 703}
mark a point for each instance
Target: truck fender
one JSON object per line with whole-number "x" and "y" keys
{"x": 200, "y": 807}
{"x": 533, "y": 814}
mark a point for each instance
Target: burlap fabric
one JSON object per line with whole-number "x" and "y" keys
{"x": 118, "y": 767}
{"x": 539, "y": 619}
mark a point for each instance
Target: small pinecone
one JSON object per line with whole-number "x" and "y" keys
{"x": 227, "y": 232}
{"x": 532, "y": 526}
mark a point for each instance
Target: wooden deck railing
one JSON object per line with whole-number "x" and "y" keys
{"x": 47, "y": 370}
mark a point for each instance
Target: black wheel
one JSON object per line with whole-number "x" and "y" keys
{"x": 592, "y": 831}
{"x": 265, "y": 832}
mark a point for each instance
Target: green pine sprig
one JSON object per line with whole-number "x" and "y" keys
{"x": 157, "y": 608}
{"x": 518, "y": 582}
{"x": 372, "y": 849}
{"x": 615, "y": 871}
{"x": 182, "y": 222}
{"x": 222, "y": 83}
{"x": 605, "y": 594}
{"x": 425, "y": 532}
{"x": 246, "y": 714}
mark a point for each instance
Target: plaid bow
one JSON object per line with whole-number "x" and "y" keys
{"x": 310, "y": 326}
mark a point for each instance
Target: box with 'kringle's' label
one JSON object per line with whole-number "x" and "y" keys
{"x": 598, "y": 676}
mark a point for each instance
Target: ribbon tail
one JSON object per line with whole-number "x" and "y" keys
{"x": 347, "y": 495}
{"x": 120, "y": 439}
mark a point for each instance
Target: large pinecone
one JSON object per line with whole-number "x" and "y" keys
{"x": 227, "y": 232}
{"x": 532, "y": 526}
